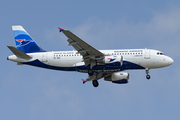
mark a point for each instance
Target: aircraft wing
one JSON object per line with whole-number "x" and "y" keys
{"x": 89, "y": 53}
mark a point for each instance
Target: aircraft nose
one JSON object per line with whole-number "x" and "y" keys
{"x": 169, "y": 61}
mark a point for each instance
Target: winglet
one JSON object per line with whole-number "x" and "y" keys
{"x": 60, "y": 29}
{"x": 83, "y": 81}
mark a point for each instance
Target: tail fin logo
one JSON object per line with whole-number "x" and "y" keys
{"x": 23, "y": 42}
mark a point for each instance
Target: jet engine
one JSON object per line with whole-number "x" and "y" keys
{"x": 118, "y": 77}
{"x": 111, "y": 60}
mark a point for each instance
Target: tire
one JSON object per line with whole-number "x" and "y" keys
{"x": 95, "y": 83}
{"x": 148, "y": 77}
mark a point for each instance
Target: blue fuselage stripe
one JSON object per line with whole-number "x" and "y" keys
{"x": 100, "y": 68}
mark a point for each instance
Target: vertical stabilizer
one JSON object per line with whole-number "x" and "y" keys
{"x": 24, "y": 41}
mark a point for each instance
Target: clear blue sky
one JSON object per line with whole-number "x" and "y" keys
{"x": 30, "y": 93}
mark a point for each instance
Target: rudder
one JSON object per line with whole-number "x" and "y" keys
{"x": 24, "y": 41}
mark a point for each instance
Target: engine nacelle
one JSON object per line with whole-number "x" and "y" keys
{"x": 111, "y": 60}
{"x": 118, "y": 77}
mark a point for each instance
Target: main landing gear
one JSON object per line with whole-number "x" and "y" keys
{"x": 95, "y": 83}
{"x": 147, "y": 74}
{"x": 90, "y": 72}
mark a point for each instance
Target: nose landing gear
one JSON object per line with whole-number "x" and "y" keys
{"x": 147, "y": 74}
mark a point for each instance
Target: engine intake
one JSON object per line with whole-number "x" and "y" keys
{"x": 118, "y": 77}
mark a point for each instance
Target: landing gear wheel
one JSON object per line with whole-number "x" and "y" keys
{"x": 148, "y": 76}
{"x": 90, "y": 72}
{"x": 95, "y": 83}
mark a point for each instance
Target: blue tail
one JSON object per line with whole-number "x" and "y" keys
{"x": 24, "y": 42}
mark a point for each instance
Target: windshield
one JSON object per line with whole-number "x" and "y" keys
{"x": 160, "y": 53}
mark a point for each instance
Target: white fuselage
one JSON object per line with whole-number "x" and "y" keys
{"x": 145, "y": 58}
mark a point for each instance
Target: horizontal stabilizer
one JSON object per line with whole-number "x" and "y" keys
{"x": 19, "y": 53}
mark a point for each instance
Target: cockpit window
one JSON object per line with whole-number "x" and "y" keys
{"x": 160, "y": 53}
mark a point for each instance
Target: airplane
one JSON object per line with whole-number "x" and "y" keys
{"x": 107, "y": 64}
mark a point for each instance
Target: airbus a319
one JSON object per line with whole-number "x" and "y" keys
{"x": 107, "y": 64}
